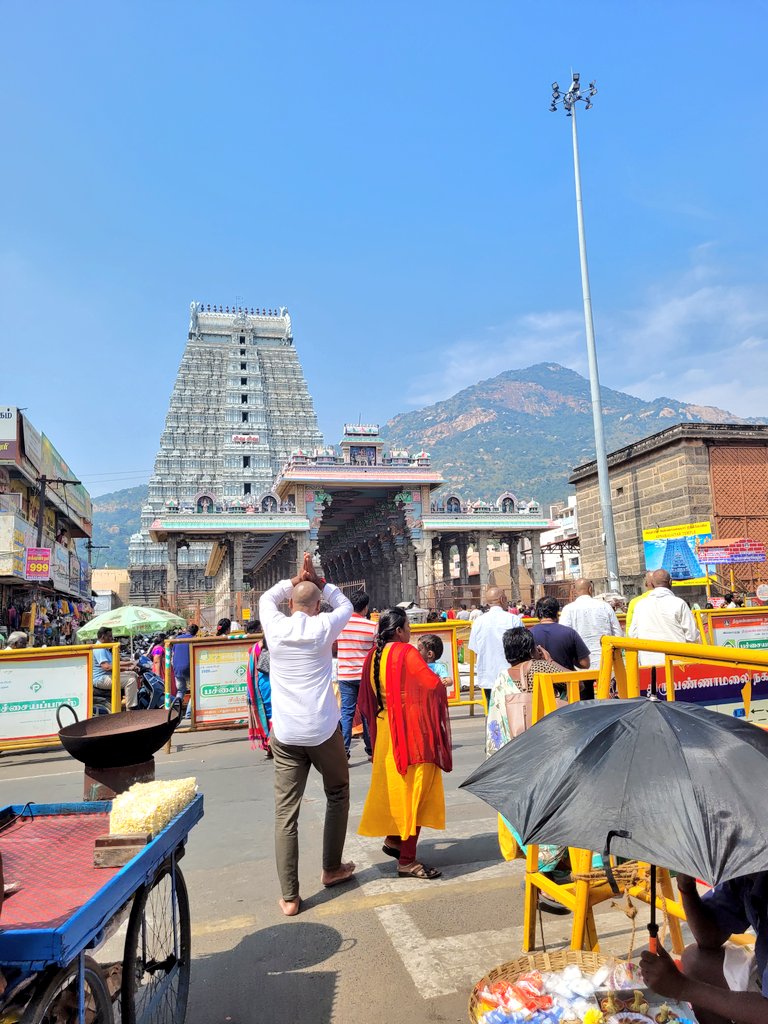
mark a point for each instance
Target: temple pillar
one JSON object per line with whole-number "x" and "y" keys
{"x": 445, "y": 554}
{"x": 423, "y": 549}
{"x": 236, "y": 582}
{"x": 462, "y": 542}
{"x": 537, "y": 567}
{"x": 303, "y": 544}
{"x": 514, "y": 567}
{"x": 482, "y": 554}
{"x": 172, "y": 574}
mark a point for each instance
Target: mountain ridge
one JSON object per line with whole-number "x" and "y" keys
{"x": 523, "y": 430}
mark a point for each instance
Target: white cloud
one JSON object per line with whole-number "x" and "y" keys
{"x": 698, "y": 339}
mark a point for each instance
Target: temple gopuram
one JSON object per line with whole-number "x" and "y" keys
{"x": 243, "y": 487}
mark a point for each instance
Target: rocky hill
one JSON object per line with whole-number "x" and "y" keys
{"x": 115, "y": 517}
{"x": 526, "y": 429}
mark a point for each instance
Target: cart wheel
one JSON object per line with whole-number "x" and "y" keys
{"x": 55, "y": 997}
{"x": 157, "y": 952}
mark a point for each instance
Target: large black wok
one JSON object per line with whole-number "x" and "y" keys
{"x": 113, "y": 741}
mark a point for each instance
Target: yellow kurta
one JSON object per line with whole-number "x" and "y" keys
{"x": 396, "y": 804}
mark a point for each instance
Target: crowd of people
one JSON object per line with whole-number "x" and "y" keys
{"x": 397, "y": 690}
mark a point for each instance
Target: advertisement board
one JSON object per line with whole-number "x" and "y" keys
{"x": 219, "y": 680}
{"x": 32, "y": 688}
{"x": 748, "y": 631}
{"x": 674, "y": 548}
{"x": 37, "y": 565}
{"x": 32, "y": 443}
{"x": 9, "y": 445}
{"x": 60, "y": 565}
{"x": 732, "y": 552}
{"x": 72, "y": 499}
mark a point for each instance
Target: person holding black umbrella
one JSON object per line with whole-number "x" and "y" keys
{"x": 724, "y": 982}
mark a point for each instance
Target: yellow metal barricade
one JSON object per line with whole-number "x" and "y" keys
{"x": 586, "y": 888}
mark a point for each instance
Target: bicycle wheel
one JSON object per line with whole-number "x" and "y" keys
{"x": 157, "y": 952}
{"x": 56, "y": 996}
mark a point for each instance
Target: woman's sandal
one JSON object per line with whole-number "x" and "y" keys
{"x": 391, "y": 851}
{"x": 417, "y": 870}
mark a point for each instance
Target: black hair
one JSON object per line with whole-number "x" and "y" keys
{"x": 390, "y": 621}
{"x": 728, "y": 595}
{"x": 223, "y": 626}
{"x": 254, "y": 626}
{"x": 519, "y": 645}
{"x": 433, "y": 616}
{"x": 432, "y": 643}
{"x": 547, "y": 608}
{"x": 360, "y": 601}
{"x": 103, "y": 630}
{"x": 194, "y": 629}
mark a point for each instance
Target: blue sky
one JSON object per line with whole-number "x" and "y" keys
{"x": 390, "y": 173}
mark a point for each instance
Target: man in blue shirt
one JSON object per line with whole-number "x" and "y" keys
{"x": 102, "y": 671}
{"x": 180, "y": 664}
{"x": 723, "y": 982}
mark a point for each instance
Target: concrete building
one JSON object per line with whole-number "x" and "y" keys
{"x": 52, "y": 587}
{"x": 689, "y": 473}
{"x": 114, "y": 581}
{"x": 239, "y": 407}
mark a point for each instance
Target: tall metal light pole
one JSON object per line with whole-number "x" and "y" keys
{"x": 569, "y": 100}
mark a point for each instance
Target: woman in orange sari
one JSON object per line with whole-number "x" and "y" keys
{"x": 406, "y": 707}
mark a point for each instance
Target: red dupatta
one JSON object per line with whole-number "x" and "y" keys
{"x": 416, "y": 704}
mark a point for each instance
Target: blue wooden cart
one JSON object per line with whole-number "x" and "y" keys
{"x": 62, "y": 909}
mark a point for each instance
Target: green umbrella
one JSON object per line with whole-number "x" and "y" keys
{"x": 131, "y": 620}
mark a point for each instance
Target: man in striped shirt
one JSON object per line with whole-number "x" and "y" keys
{"x": 354, "y": 642}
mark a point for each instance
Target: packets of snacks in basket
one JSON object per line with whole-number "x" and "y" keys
{"x": 149, "y": 806}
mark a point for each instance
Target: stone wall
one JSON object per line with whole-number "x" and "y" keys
{"x": 663, "y": 487}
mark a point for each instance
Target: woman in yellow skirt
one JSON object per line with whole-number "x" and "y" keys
{"x": 406, "y": 707}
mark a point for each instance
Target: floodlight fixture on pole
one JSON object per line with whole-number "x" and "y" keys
{"x": 568, "y": 100}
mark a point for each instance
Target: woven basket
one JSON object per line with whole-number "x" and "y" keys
{"x": 625, "y": 874}
{"x": 511, "y": 971}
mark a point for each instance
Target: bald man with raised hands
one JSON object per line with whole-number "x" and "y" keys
{"x": 305, "y": 721}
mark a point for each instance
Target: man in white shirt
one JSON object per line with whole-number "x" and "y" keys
{"x": 662, "y": 616}
{"x": 485, "y": 639}
{"x": 305, "y": 721}
{"x": 592, "y": 619}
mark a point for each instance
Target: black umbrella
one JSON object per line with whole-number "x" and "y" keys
{"x": 665, "y": 782}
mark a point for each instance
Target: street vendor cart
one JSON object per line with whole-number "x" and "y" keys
{"x": 62, "y": 908}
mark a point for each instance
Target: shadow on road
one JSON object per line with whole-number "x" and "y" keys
{"x": 265, "y": 978}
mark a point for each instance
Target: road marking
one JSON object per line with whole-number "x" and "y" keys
{"x": 47, "y": 775}
{"x": 244, "y": 923}
{"x": 427, "y": 973}
{"x": 388, "y": 897}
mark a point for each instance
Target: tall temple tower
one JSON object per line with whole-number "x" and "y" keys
{"x": 239, "y": 407}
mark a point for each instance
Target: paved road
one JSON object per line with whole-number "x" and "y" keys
{"x": 379, "y": 951}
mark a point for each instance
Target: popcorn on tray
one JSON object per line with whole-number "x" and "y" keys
{"x": 149, "y": 806}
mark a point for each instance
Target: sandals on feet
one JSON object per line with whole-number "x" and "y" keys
{"x": 417, "y": 870}
{"x": 391, "y": 851}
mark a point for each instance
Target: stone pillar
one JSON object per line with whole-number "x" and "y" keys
{"x": 482, "y": 553}
{"x": 172, "y": 574}
{"x": 445, "y": 554}
{"x": 303, "y": 544}
{"x": 423, "y": 550}
{"x": 378, "y": 584}
{"x": 462, "y": 542}
{"x": 537, "y": 567}
{"x": 237, "y": 568}
{"x": 514, "y": 567}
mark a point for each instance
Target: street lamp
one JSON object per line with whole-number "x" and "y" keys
{"x": 569, "y": 100}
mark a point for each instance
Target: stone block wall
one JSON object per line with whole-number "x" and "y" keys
{"x": 662, "y": 487}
